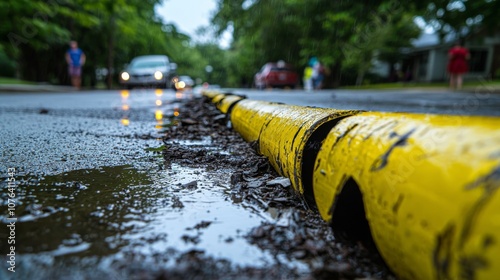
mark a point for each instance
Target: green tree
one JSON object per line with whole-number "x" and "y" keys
{"x": 388, "y": 30}
{"x": 343, "y": 34}
{"x": 461, "y": 17}
{"x": 35, "y": 34}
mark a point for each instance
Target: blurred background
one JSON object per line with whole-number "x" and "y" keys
{"x": 358, "y": 42}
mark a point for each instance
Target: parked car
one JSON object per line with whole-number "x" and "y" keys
{"x": 278, "y": 74}
{"x": 149, "y": 70}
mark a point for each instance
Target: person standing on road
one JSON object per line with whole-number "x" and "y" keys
{"x": 308, "y": 78}
{"x": 75, "y": 59}
{"x": 318, "y": 75}
{"x": 457, "y": 65}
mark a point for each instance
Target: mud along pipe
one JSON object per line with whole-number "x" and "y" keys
{"x": 289, "y": 136}
{"x": 429, "y": 187}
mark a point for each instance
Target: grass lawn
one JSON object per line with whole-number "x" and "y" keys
{"x": 10, "y": 81}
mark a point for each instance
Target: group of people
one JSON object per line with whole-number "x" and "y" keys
{"x": 458, "y": 56}
{"x": 314, "y": 74}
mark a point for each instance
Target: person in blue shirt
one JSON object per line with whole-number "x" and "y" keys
{"x": 75, "y": 59}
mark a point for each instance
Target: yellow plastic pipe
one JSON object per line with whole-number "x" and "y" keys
{"x": 216, "y": 99}
{"x": 428, "y": 183}
{"x": 226, "y": 104}
{"x": 286, "y": 135}
{"x": 429, "y": 186}
{"x": 210, "y": 94}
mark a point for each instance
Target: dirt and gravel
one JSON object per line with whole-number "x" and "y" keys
{"x": 299, "y": 235}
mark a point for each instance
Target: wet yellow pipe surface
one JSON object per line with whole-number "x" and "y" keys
{"x": 429, "y": 186}
{"x": 226, "y": 104}
{"x": 428, "y": 182}
{"x": 281, "y": 132}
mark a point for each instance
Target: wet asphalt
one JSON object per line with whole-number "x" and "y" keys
{"x": 479, "y": 101}
{"x": 92, "y": 195}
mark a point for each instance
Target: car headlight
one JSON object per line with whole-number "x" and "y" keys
{"x": 125, "y": 76}
{"x": 180, "y": 85}
{"x": 158, "y": 75}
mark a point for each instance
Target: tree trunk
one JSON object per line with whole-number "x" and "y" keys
{"x": 111, "y": 47}
{"x": 335, "y": 75}
{"x": 360, "y": 78}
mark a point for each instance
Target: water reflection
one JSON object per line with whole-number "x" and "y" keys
{"x": 125, "y": 121}
{"x": 165, "y": 106}
{"x": 158, "y": 92}
{"x": 125, "y": 94}
{"x": 159, "y": 115}
{"x": 75, "y": 212}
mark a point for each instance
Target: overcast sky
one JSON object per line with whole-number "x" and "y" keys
{"x": 188, "y": 15}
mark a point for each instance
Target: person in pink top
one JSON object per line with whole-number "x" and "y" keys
{"x": 457, "y": 65}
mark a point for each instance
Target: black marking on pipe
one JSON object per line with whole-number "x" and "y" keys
{"x": 350, "y": 139}
{"x": 395, "y": 207}
{"x": 382, "y": 161}
{"x": 442, "y": 252}
{"x": 295, "y": 136}
{"x": 490, "y": 184}
{"x": 344, "y": 134}
{"x": 391, "y": 123}
{"x": 469, "y": 265}
{"x": 266, "y": 124}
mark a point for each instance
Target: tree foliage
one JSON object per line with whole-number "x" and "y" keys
{"x": 462, "y": 17}
{"x": 346, "y": 35}
{"x": 35, "y": 34}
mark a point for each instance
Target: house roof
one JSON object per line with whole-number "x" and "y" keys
{"x": 425, "y": 40}
{"x": 428, "y": 41}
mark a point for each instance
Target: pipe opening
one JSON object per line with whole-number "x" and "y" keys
{"x": 349, "y": 221}
{"x": 309, "y": 156}
{"x": 349, "y": 216}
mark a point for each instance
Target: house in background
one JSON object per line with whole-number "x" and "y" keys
{"x": 427, "y": 60}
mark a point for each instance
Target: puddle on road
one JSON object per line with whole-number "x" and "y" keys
{"x": 84, "y": 219}
{"x": 109, "y": 222}
{"x": 57, "y": 214}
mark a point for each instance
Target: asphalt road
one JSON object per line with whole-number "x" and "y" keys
{"x": 88, "y": 188}
{"x": 481, "y": 102}
{"x": 90, "y": 195}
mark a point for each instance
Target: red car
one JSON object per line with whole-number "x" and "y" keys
{"x": 278, "y": 74}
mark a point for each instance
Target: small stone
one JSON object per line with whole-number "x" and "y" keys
{"x": 191, "y": 185}
{"x": 282, "y": 181}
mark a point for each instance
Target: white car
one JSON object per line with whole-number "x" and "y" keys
{"x": 148, "y": 70}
